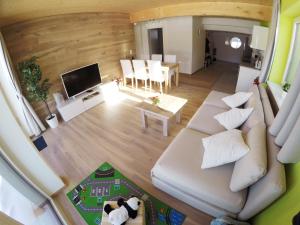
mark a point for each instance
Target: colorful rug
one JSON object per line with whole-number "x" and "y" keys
{"x": 108, "y": 184}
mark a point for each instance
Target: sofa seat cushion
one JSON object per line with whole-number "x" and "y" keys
{"x": 204, "y": 121}
{"x": 214, "y": 98}
{"x": 180, "y": 167}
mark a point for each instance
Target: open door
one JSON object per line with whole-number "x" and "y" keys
{"x": 155, "y": 37}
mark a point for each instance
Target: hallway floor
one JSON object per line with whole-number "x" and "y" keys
{"x": 219, "y": 76}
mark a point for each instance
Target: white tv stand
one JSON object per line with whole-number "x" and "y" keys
{"x": 81, "y": 103}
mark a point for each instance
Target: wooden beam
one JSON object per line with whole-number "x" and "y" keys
{"x": 224, "y": 9}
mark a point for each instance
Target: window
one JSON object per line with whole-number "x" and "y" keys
{"x": 22, "y": 202}
{"x": 294, "y": 55}
{"x": 235, "y": 42}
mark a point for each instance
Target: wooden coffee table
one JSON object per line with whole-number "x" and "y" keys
{"x": 168, "y": 107}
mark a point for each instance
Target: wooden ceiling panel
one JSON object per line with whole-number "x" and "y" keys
{"x": 219, "y": 9}
{"x": 12, "y": 11}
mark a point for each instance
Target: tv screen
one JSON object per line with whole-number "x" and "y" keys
{"x": 80, "y": 80}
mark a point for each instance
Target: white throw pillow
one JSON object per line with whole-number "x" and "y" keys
{"x": 222, "y": 148}
{"x": 233, "y": 118}
{"x": 237, "y": 99}
{"x": 253, "y": 166}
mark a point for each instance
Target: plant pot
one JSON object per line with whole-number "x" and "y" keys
{"x": 52, "y": 120}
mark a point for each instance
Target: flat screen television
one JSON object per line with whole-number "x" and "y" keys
{"x": 80, "y": 80}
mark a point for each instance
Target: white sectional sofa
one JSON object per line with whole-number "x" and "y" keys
{"x": 178, "y": 171}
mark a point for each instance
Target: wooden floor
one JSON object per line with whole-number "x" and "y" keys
{"x": 113, "y": 133}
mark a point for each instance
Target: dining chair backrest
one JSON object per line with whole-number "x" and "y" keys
{"x": 155, "y": 70}
{"x": 170, "y": 58}
{"x": 140, "y": 71}
{"x": 156, "y": 57}
{"x": 127, "y": 68}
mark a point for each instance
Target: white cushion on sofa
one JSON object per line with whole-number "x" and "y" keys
{"x": 179, "y": 167}
{"x": 214, "y": 98}
{"x": 204, "y": 121}
{"x": 233, "y": 118}
{"x": 237, "y": 99}
{"x": 223, "y": 148}
{"x": 253, "y": 166}
{"x": 268, "y": 188}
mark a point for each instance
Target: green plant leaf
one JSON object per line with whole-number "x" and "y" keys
{"x": 35, "y": 88}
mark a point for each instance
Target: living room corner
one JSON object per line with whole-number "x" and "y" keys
{"x": 171, "y": 112}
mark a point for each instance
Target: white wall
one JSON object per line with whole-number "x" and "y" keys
{"x": 177, "y": 36}
{"x": 198, "y": 49}
{"x": 229, "y": 24}
{"x": 178, "y": 41}
{"x": 23, "y": 154}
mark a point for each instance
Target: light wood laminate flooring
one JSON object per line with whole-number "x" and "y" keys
{"x": 112, "y": 132}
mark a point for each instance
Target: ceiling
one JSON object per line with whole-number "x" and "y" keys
{"x": 12, "y": 11}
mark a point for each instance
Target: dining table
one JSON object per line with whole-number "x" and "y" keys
{"x": 166, "y": 67}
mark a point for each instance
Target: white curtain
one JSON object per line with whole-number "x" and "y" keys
{"x": 287, "y": 107}
{"x": 289, "y": 123}
{"x": 290, "y": 151}
{"x": 21, "y": 107}
{"x": 286, "y": 125}
{"x": 14, "y": 179}
{"x": 272, "y": 40}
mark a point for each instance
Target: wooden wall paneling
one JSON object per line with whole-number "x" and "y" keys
{"x": 66, "y": 42}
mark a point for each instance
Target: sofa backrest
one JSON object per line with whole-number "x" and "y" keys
{"x": 273, "y": 184}
{"x": 257, "y": 115}
{"x": 268, "y": 111}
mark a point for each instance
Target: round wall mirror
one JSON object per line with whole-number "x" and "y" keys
{"x": 235, "y": 42}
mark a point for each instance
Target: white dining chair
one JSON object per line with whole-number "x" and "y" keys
{"x": 155, "y": 73}
{"x": 140, "y": 72}
{"x": 170, "y": 59}
{"x": 156, "y": 57}
{"x": 127, "y": 71}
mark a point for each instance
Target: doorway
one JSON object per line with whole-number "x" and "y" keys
{"x": 156, "y": 44}
{"x": 229, "y": 47}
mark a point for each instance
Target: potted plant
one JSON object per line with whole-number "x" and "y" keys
{"x": 286, "y": 87}
{"x": 118, "y": 81}
{"x": 36, "y": 89}
{"x": 155, "y": 100}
